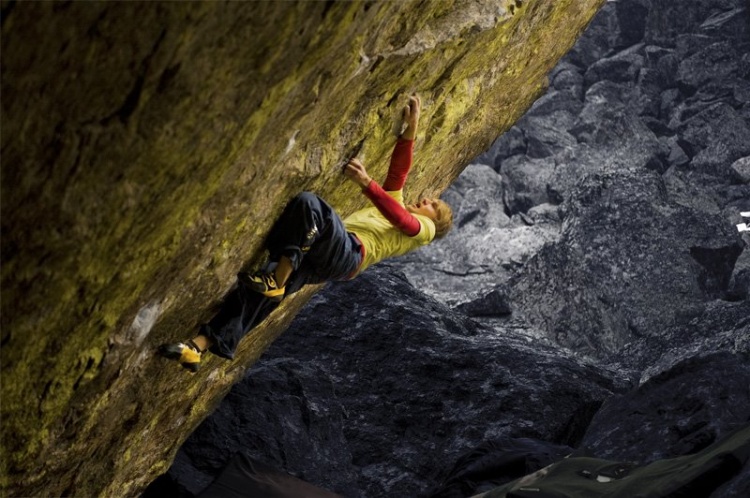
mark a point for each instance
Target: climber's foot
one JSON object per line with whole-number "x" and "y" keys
{"x": 263, "y": 283}
{"x": 187, "y": 353}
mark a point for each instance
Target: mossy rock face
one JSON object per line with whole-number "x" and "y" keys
{"x": 146, "y": 150}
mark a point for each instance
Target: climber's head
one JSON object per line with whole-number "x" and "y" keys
{"x": 436, "y": 210}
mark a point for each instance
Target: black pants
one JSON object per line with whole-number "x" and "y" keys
{"x": 313, "y": 237}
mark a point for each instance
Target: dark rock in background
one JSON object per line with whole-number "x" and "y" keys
{"x": 640, "y": 149}
{"x": 496, "y": 303}
{"x": 694, "y": 404}
{"x": 409, "y": 384}
{"x": 739, "y": 283}
{"x": 681, "y": 411}
{"x": 311, "y": 444}
{"x": 627, "y": 264}
{"x": 472, "y": 260}
{"x": 604, "y": 222}
{"x": 497, "y": 462}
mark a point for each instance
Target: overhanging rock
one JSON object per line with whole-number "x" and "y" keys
{"x": 147, "y": 148}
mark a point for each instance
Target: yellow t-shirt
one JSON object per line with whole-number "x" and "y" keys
{"x": 381, "y": 239}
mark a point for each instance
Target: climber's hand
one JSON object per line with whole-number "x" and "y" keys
{"x": 356, "y": 172}
{"x": 411, "y": 117}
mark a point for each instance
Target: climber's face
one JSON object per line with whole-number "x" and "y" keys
{"x": 425, "y": 207}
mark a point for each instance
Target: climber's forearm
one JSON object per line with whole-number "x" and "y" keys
{"x": 410, "y": 133}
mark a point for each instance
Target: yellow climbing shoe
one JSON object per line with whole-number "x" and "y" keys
{"x": 188, "y": 354}
{"x": 263, "y": 283}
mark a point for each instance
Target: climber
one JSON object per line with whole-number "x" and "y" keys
{"x": 310, "y": 244}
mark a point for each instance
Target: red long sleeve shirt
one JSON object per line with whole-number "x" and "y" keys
{"x": 401, "y": 160}
{"x": 394, "y": 212}
{"x": 386, "y": 229}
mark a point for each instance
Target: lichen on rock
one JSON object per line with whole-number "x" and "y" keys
{"x": 148, "y": 147}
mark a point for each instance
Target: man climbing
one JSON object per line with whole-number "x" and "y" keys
{"x": 311, "y": 244}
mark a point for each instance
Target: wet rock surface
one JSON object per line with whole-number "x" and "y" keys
{"x": 593, "y": 293}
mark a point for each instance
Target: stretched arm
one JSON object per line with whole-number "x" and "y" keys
{"x": 401, "y": 161}
{"x": 394, "y": 212}
{"x": 389, "y": 207}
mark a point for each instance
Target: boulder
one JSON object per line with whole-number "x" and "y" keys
{"x": 687, "y": 44}
{"x": 573, "y": 164}
{"x": 625, "y": 142}
{"x": 650, "y": 85}
{"x": 546, "y": 134}
{"x": 623, "y": 67}
{"x": 716, "y": 326}
{"x": 596, "y": 42}
{"x": 552, "y": 103}
{"x": 712, "y": 65}
{"x": 681, "y": 411}
{"x": 495, "y": 303}
{"x": 603, "y": 102}
{"x": 311, "y": 444}
{"x": 585, "y": 288}
{"x": 744, "y": 66}
{"x": 714, "y": 138}
{"x": 677, "y": 156}
{"x": 476, "y": 183}
{"x": 525, "y": 181}
{"x": 412, "y": 385}
{"x": 741, "y": 170}
{"x": 150, "y": 147}
{"x": 668, "y": 102}
{"x": 741, "y": 91}
{"x": 485, "y": 245}
{"x": 683, "y": 188}
{"x": 567, "y": 77}
{"x": 731, "y": 21}
{"x": 666, "y": 21}
{"x": 739, "y": 282}
{"x": 629, "y": 23}
{"x": 655, "y": 54}
{"x": 508, "y": 144}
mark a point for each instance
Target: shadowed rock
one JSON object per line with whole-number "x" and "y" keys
{"x": 681, "y": 411}
{"x": 148, "y": 147}
{"x": 414, "y": 387}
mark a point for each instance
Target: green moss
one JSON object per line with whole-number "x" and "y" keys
{"x": 159, "y": 194}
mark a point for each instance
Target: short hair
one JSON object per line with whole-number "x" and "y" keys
{"x": 444, "y": 219}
